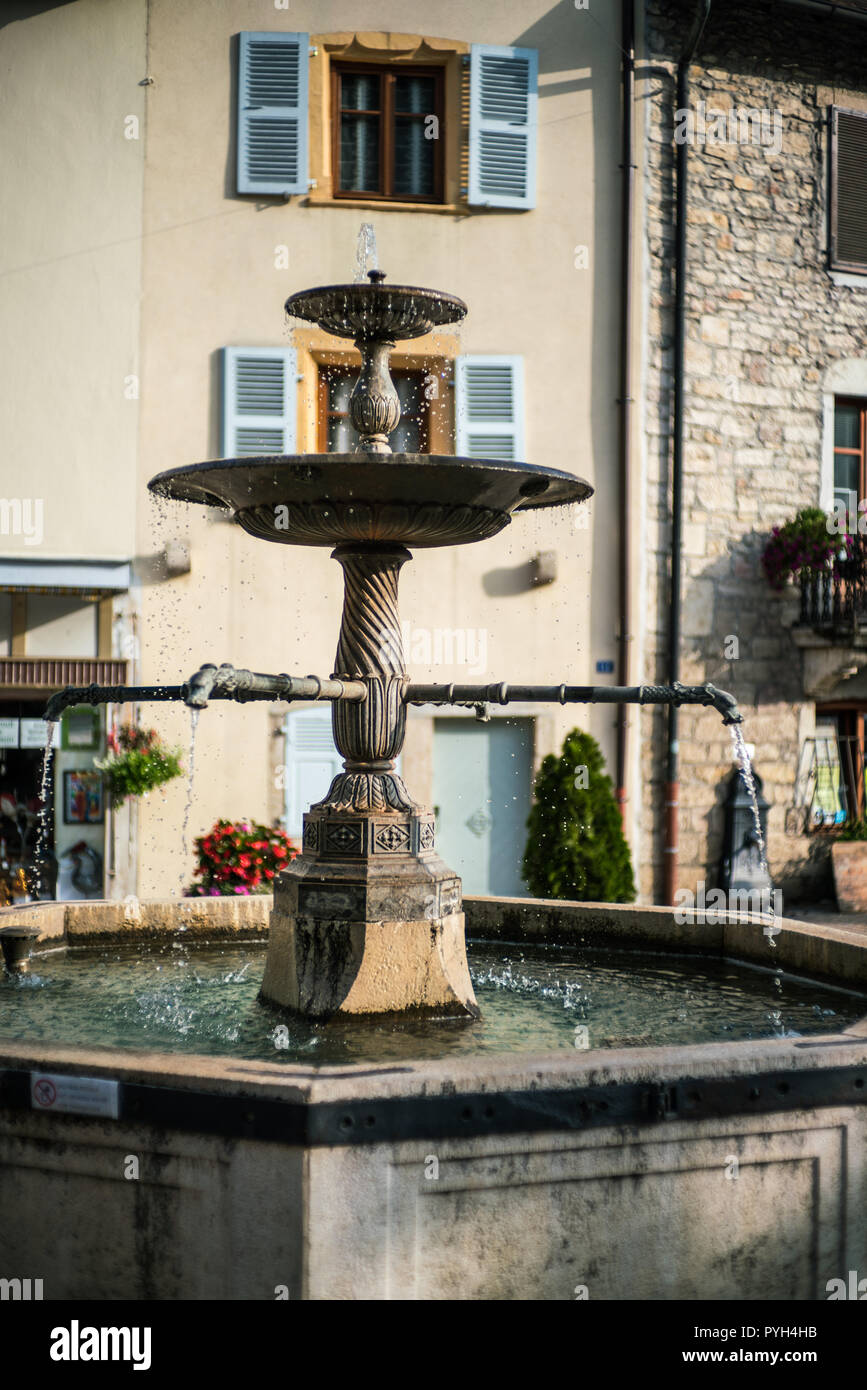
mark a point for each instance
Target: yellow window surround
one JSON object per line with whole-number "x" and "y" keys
{"x": 403, "y": 49}
{"x": 435, "y": 353}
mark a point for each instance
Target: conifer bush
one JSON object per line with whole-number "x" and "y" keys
{"x": 576, "y": 848}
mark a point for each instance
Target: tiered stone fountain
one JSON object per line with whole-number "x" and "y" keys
{"x": 558, "y": 1174}
{"x": 368, "y": 919}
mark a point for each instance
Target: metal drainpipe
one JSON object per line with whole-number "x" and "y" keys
{"x": 672, "y": 790}
{"x": 624, "y": 567}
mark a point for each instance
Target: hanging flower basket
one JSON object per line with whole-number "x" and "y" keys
{"x": 803, "y": 546}
{"x": 137, "y": 761}
{"x": 237, "y": 858}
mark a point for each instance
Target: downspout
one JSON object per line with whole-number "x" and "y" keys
{"x": 672, "y": 790}
{"x": 627, "y": 168}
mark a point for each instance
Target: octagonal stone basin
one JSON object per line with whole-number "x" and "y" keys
{"x": 494, "y": 1176}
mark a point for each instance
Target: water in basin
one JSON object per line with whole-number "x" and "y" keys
{"x": 533, "y": 999}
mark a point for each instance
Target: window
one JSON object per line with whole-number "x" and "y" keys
{"x": 259, "y": 401}
{"x": 387, "y": 132}
{"x": 833, "y": 767}
{"x": 850, "y": 438}
{"x": 311, "y": 764}
{"x": 336, "y": 433}
{"x": 848, "y": 250}
{"x": 459, "y": 129}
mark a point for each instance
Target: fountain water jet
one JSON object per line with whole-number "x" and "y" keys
{"x": 368, "y": 919}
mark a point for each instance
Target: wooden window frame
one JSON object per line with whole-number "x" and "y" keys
{"x": 860, "y": 404}
{"x": 851, "y": 728}
{"x": 327, "y": 371}
{"x": 835, "y": 262}
{"x": 387, "y": 72}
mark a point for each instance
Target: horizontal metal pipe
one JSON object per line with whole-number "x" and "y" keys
{"x": 108, "y": 695}
{"x": 260, "y": 687}
{"x": 226, "y": 683}
{"x": 503, "y": 694}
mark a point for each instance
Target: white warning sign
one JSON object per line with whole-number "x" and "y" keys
{"x": 75, "y": 1095}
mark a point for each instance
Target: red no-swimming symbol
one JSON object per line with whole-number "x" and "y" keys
{"x": 44, "y": 1093}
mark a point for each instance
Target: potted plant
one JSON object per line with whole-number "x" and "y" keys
{"x": 849, "y": 866}
{"x": 239, "y": 858}
{"x": 137, "y": 761}
{"x": 802, "y": 547}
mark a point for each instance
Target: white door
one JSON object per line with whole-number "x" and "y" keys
{"x": 482, "y": 793}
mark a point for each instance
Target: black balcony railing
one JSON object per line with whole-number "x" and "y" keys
{"x": 835, "y": 599}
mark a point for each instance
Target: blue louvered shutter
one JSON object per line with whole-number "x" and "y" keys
{"x": 312, "y": 762}
{"x": 489, "y": 407}
{"x": 503, "y": 102}
{"x": 259, "y": 401}
{"x": 272, "y": 113}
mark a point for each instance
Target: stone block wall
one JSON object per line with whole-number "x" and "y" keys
{"x": 765, "y": 320}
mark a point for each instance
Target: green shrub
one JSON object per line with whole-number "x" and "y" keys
{"x": 576, "y": 847}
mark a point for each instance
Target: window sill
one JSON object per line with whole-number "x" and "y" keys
{"x": 386, "y": 205}
{"x": 849, "y": 279}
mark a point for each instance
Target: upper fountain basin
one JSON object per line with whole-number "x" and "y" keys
{"x": 376, "y": 311}
{"x": 422, "y": 500}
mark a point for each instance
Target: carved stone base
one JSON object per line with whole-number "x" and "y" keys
{"x": 368, "y": 920}
{"x": 321, "y": 968}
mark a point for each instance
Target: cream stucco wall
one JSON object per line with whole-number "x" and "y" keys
{"x": 70, "y": 255}
{"x": 137, "y": 258}
{"x": 210, "y": 281}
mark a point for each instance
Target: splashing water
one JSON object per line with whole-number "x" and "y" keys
{"x": 194, "y": 720}
{"x": 366, "y": 257}
{"x": 153, "y": 995}
{"x": 744, "y": 762}
{"x": 42, "y": 832}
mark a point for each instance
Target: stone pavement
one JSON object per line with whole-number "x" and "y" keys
{"x": 825, "y": 914}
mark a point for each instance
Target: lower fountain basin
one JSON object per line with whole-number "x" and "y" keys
{"x": 533, "y": 998}
{"x": 731, "y": 1170}
{"x": 420, "y": 500}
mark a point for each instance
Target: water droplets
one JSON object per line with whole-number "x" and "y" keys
{"x": 42, "y": 822}
{"x": 194, "y": 720}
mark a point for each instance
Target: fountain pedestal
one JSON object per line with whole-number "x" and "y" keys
{"x": 367, "y": 919}
{"x": 368, "y": 922}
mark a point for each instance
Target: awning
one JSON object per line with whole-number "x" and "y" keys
{"x": 92, "y": 577}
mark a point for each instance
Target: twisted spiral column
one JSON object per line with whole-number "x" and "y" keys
{"x": 370, "y": 734}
